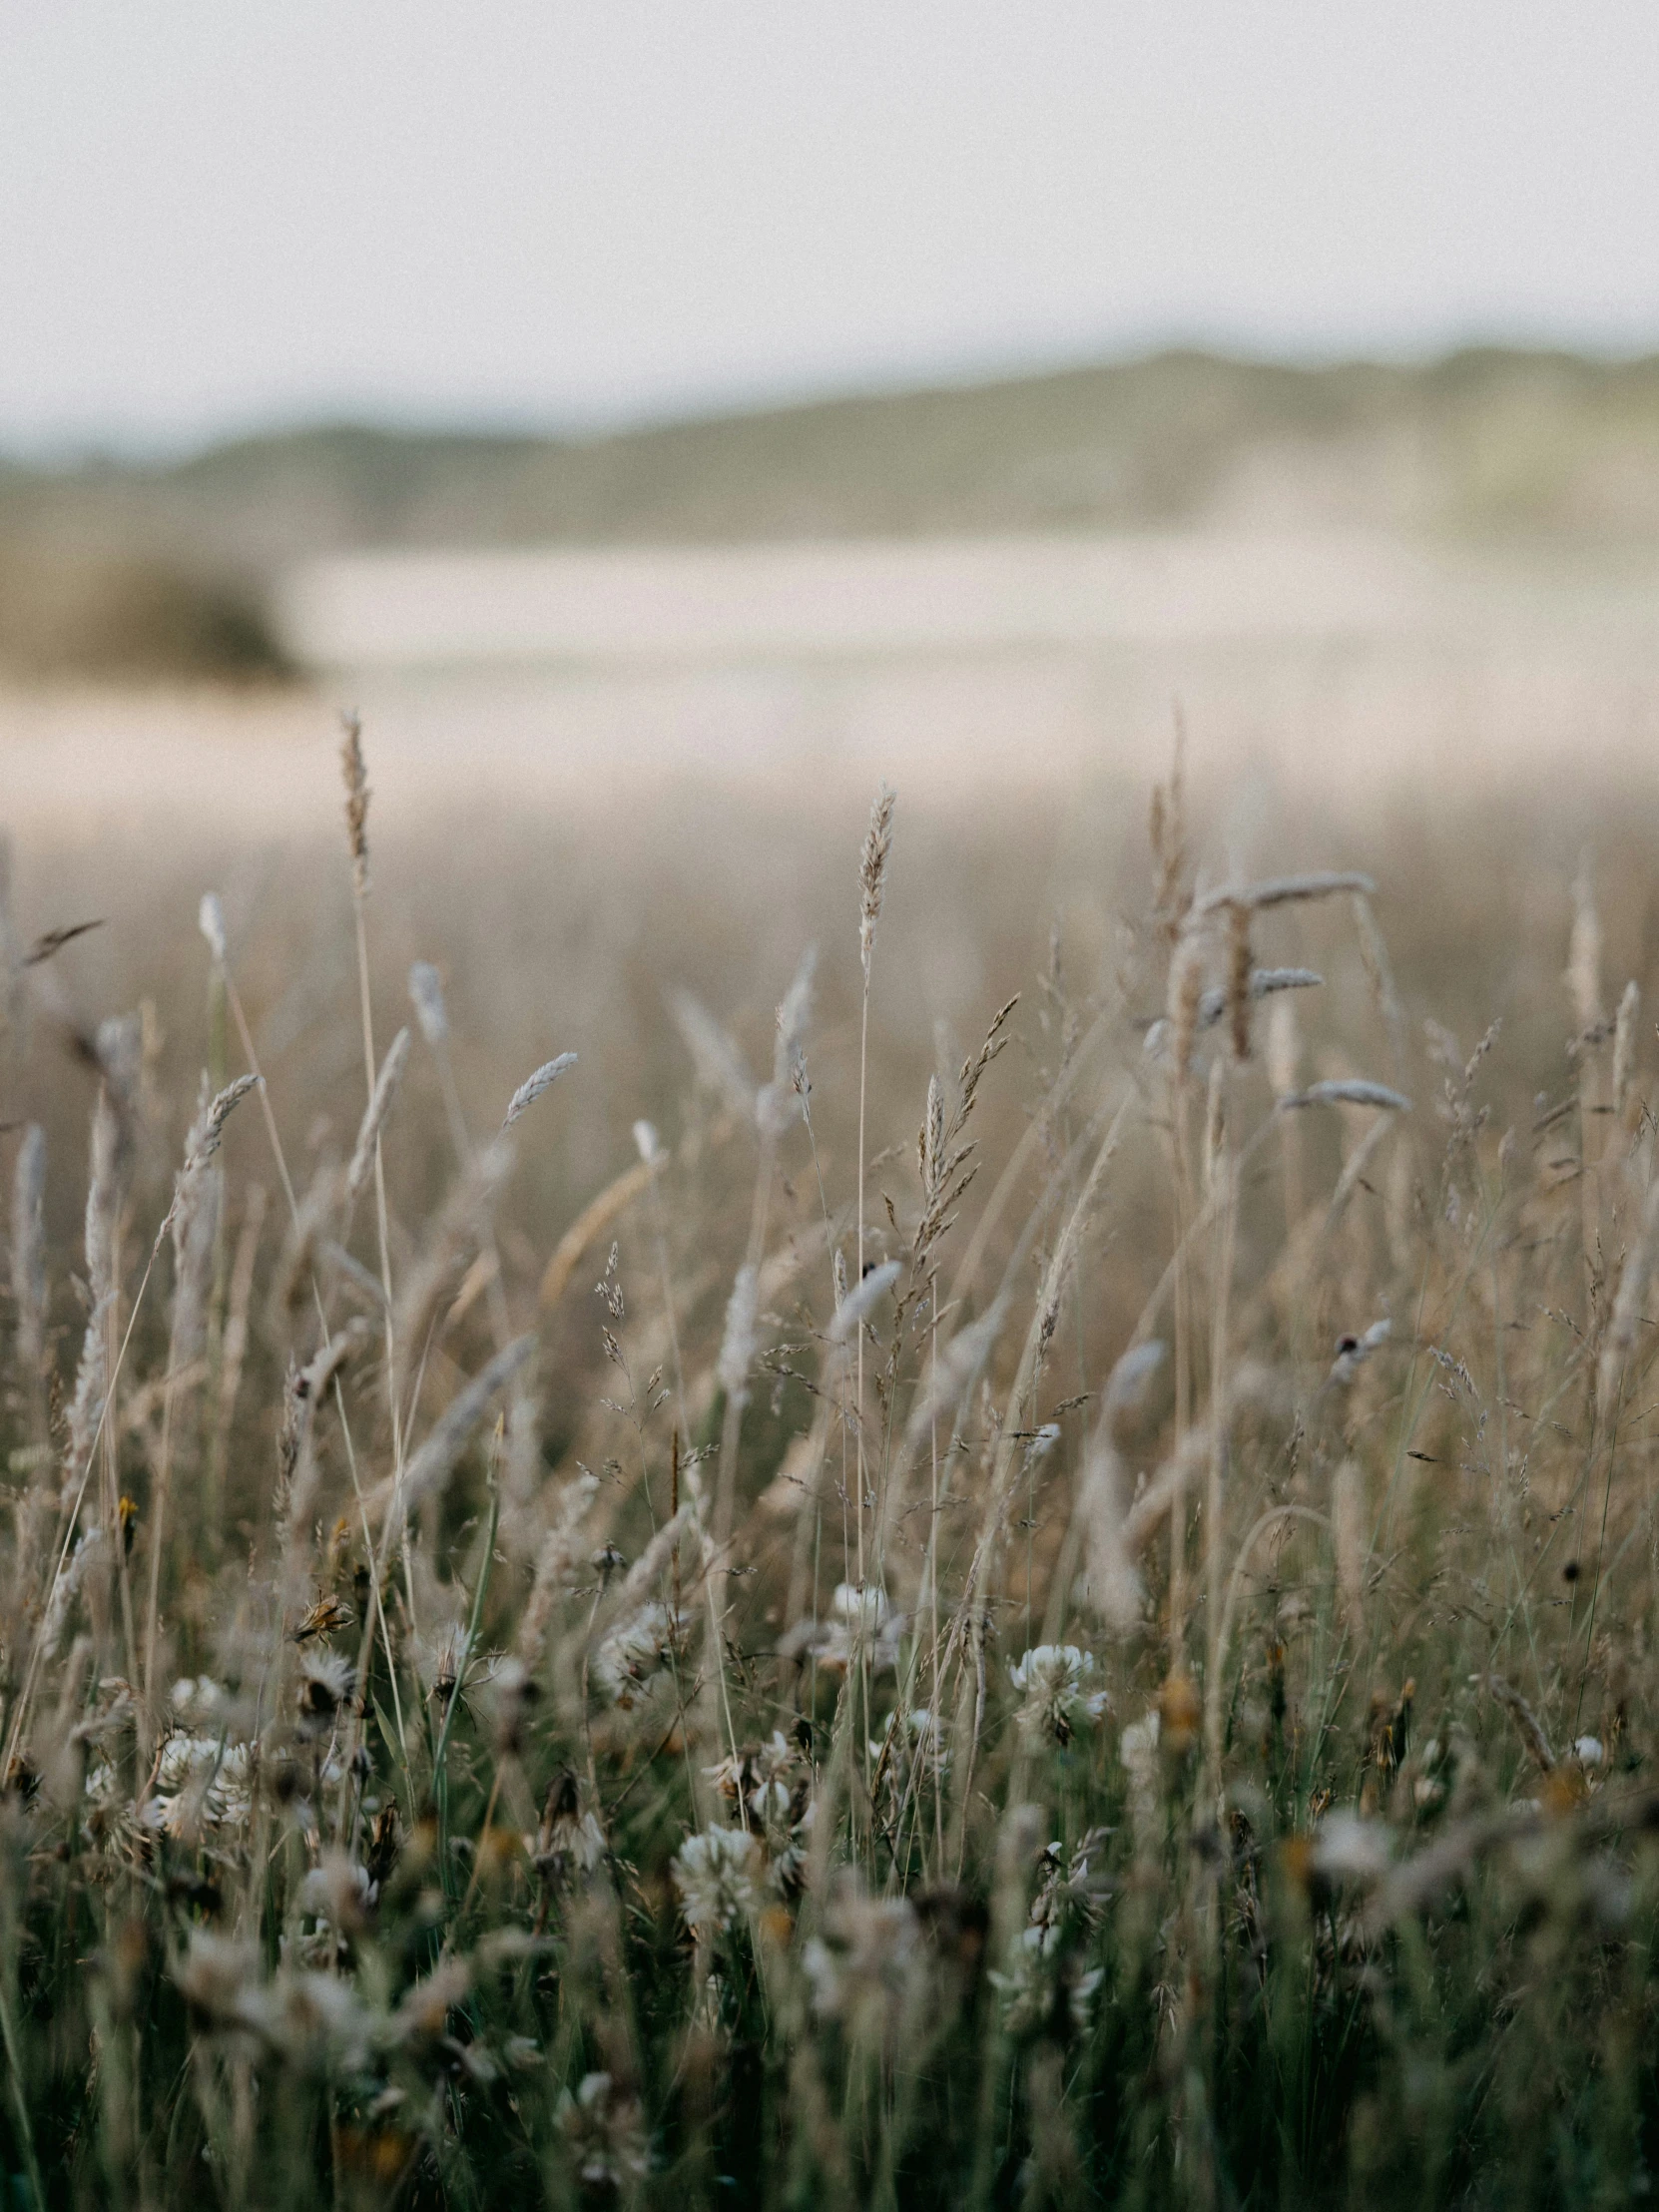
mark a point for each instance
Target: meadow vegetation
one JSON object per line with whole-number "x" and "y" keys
{"x": 1010, "y": 1564}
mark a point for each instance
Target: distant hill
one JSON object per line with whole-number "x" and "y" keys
{"x": 1487, "y": 442}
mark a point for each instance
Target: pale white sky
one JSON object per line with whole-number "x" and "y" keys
{"x": 217, "y": 212}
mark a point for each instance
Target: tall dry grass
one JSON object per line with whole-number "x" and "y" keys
{"x": 1027, "y": 1580}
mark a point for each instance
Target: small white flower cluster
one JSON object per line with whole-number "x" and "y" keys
{"x": 1054, "y": 1681}
{"x": 762, "y": 1780}
{"x": 635, "y": 1653}
{"x": 864, "y": 1626}
{"x": 601, "y": 2123}
{"x": 769, "y": 1786}
{"x": 200, "y": 1782}
{"x": 866, "y": 1963}
{"x": 718, "y": 1875}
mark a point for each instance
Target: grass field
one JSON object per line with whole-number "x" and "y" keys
{"x": 1004, "y": 1553}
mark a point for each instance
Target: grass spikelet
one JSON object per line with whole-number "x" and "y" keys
{"x": 872, "y": 873}
{"x": 374, "y": 1114}
{"x": 535, "y": 1085}
{"x": 354, "y": 773}
{"x": 1348, "y": 1091}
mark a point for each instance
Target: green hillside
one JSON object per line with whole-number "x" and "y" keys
{"x": 1482, "y": 443}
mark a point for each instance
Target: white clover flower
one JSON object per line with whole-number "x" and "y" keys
{"x": 200, "y": 1781}
{"x": 717, "y": 1873}
{"x": 867, "y": 1962}
{"x": 633, "y": 1652}
{"x": 864, "y": 1625}
{"x": 761, "y": 1780}
{"x": 602, "y": 2125}
{"x": 1054, "y": 1680}
{"x": 196, "y": 1700}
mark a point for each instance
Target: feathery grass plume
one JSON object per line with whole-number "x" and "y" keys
{"x": 1347, "y": 1090}
{"x": 533, "y": 1087}
{"x": 374, "y": 1114}
{"x": 1583, "y": 976}
{"x": 1380, "y": 974}
{"x": 737, "y": 1344}
{"x": 778, "y": 1102}
{"x": 28, "y": 1253}
{"x": 455, "y": 1233}
{"x": 430, "y": 1465}
{"x": 210, "y": 919}
{"x": 1624, "y": 1049}
{"x": 1110, "y": 1583}
{"x": 719, "y": 1066}
{"x": 102, "y": 1219}
{"x": 207, "y": 1132}
{"x": 860, "y": 1303}
{"x": 1282, "y": 890}
{"x": 354, "y": 771}
{"x": 1264, "y": 984}
{"x": 426, "y": 997}
{"x": 872, "y": 873}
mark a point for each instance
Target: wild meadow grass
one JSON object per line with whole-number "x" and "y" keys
{"x": 1070, "y": 1630}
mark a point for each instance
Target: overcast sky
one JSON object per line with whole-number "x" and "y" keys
{"x": 220, "y": 213}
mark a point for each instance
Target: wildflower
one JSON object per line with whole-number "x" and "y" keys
{"x": 1054, "y": 1680}
{"x": 757, "y": 1781}
{"x": 863, "y": 1625}
{"x": 602, "y": 2125}
{"x": 200, "y": 1781}
{"x": 196, "y": 1700}
{"x": 867, "y": 1962}
{"x": 635, "y": 1651}
{"x": 716, "y": 1873}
